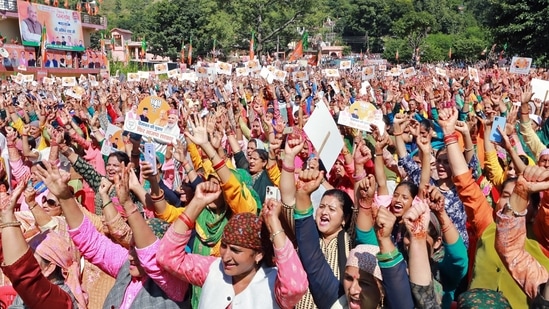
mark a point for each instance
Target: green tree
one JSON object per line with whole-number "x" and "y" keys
{"x": 523, "y": 25}
{"x": 414, "y": 27}
{"x": 267, "y": 18}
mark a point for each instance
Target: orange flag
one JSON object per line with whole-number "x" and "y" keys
{"x": 252, "y": 54}
{"x": 298, "y": 51}
{"x": 190, "y": 56}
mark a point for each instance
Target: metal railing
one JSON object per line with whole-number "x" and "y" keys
{"x": 11, "y": 6}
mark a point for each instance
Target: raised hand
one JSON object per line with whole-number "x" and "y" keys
{"x": 207, "y": 192}
{"x": 122, "y": 183}
{"x": 362, "y": 154}
{"x": 215, "y": 139}
{"x": 447, "y": 120}
{"x": 527, "y": 94}
{"x": 294, "y": 144}
{"x": 309, "y": 180}
{"x": 16, "y": 194}
{"x": 401, "y": 118}
{"x": 200, "y": 134}
{"x": 26, "y": 129}
{"x": 104, "y": 187}
{"x": 180, "y": 152}
{"x": 424, "y": 143}
{"x": 271, "y": 214}
{"x": 210, "y": 123}
{"x": 366, "y": 189}
{"x": 147, "y": 171}
{"x": 533, "y": 179}
{"x": 11, "y": 134}
{"x": 417, "y": 219}
{"x": 56, "y": 182}
{"x": 385, "y": 221}
{"x": 435, "y": 199}
{"x": 462, "y": 127}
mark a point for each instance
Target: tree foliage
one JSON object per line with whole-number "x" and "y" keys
{"x": 433, "y": 26}
{"x": 522, "y": 25}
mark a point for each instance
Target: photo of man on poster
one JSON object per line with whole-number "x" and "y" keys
{"x": 31, "y": 29}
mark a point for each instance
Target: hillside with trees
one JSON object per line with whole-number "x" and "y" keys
{"x": 428, "y": 29}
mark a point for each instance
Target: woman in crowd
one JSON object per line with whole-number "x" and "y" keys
{"x": 139, "y": 281}
{"x": 329, "y": 227}
{"x": 37, "y": 276}
{"x": 243, "y": 276}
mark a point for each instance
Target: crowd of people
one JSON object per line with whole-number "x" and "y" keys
{"x": 429, "y": 210}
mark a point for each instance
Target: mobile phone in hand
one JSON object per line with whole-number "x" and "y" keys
{"x": 495, "y": 135}
{"x": 272, "y": 192}
{"x": 150, "y": 155}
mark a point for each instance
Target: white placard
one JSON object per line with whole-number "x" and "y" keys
{"x": 324, "y": 134}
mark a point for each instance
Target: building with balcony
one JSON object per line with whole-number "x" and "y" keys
{"x": 81, "y": 61}
{"x": 9, "y": 22}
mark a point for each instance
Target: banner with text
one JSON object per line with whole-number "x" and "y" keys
{"x": 63, "y": 27}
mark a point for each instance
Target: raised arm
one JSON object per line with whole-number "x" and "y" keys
{"x": 417, "y": 220}
{"x": 511, "y": 232}
{"x": 20, "y": 265}
{"x": 172, "y": 255}
{"x": 393, "y": 267}
{"x": 294, "y": 144}
{"x": 400, "y": 121}
{"x": 291, "y": 280}
{"x": 424, "y": 145}
{"x": 381, "y": 178}
{"x": 479, "y": 213}
{"x": 463, "y": 128}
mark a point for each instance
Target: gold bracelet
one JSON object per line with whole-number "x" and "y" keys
{"x": 10, "y": 224}
{"x": 287, "y": 206}
{"x": 33, "y": 207}
{"x": 273, "y": 235}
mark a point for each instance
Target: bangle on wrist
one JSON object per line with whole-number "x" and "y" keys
{"x": 131, "y": 212}
{"x": 385, "y": 257}
{"x": 188, "y": 222}
{"x": 289, "y": 169}
{"x": 32, "y": 206}
{"x": 287, "y": 206}
{"x": 159, "y": 197}
{"x": 273, "y": 235}
{"x": 219, "y": 165}
{"x": 469, "y": 149}
{"x": 106, "y": 204}
{"x": 360, "y": 176}
{"x": 10, "y": 224}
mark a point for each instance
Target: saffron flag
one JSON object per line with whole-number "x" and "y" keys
{"x": 313, "y": 61}
{"x": 252, "y": 47}
{"x": 298, "y": 52}
{"x": 190, "y": 59}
